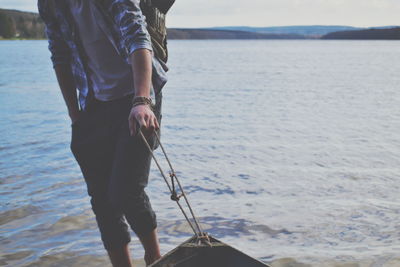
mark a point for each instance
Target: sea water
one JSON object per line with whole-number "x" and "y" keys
{"x": 288, "y": 150}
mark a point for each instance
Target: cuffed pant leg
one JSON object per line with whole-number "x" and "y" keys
{"x": 129, "y": 177}
{"x": 111, "y": 223}
{"x": 93, "y": 151}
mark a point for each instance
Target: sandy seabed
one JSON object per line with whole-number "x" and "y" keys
{"x": 65, "y": 259}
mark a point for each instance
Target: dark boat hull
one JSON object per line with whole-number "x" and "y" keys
{"x": 219, "y": 254}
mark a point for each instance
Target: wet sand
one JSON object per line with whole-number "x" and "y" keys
{"x": 70, "y": 260}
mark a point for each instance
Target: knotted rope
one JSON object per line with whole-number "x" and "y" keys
{"x": 196, "y": 227}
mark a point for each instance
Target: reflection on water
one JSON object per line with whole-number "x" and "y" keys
{"x": 221, "y": 227}
{"x": 289, "y": 151}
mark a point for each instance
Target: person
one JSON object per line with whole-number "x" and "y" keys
{"x": 102, "y": 49}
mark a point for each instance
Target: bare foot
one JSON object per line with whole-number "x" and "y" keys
{"x": 151, "y": 247}
{"x": 120, "y": 257}
{"x": 149, "y": 259}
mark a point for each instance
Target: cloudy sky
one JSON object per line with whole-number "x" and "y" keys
{"x": 201, "y": 13}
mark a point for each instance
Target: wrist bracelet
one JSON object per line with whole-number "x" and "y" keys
{"x": 142, "y": 103}
{"x": 141, "y": 100}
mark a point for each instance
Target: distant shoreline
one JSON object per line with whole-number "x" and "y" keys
{"x": 392, "y": 34}
{"x": 22, "y": 39}
{"x": 19, "y": 25}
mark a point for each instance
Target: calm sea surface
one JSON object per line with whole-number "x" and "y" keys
{"x": 289, "y": 150}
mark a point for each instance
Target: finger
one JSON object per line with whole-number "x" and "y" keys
{"x": 132, "y": 126}
{"x": 157, "y": 126}
{"x": 151, "y": 124}
{"x": 148, "y": 121}
{"x": 142, "y": 123}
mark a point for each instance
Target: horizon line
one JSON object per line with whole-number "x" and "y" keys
{"x": 250, "y": 26}
{"x": 291, "y": 25}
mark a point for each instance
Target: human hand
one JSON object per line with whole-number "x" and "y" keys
{"x": 144, "y": 116}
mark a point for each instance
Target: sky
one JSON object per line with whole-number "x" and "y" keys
{"x": 262, "y": 13}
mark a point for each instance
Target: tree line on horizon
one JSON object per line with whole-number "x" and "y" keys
{"x": 28, "y": 25}
{"x": 369, "y": 34}
{"x": 18, "y": 24}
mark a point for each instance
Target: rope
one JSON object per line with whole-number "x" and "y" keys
{"x": 197, "y": 229}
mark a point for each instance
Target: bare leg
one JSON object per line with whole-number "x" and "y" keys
{"x": 151, "y": 247}
{"x": 120, "y": 257}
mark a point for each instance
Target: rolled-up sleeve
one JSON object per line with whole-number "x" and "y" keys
{"x": 60, "y": 53}
{"x": 129, "y": 19}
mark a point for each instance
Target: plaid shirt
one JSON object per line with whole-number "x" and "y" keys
{"x": 126, "y": 30}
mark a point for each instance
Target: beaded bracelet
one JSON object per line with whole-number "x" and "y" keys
{"x": 142, "y": 100}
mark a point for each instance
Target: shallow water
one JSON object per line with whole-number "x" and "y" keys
{"x": 290, "y": 151}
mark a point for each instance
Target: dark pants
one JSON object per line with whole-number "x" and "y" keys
{"x": 116, "y": 168}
